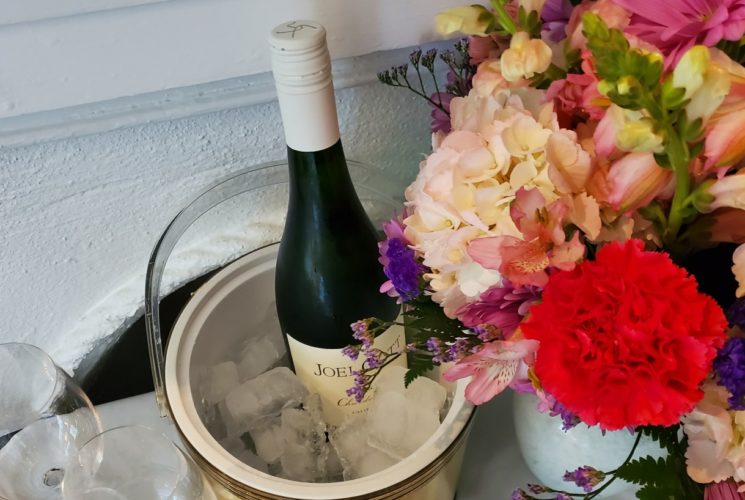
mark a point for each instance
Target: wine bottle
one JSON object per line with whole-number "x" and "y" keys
{"x": 327, "y": 274}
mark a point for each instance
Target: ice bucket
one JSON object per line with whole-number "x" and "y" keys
{"x": 232, "y": 230}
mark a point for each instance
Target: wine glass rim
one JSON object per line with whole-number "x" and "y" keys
{"x": 45, "y": 358}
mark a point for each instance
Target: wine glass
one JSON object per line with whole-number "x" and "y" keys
{"x": 133, "y": 462}
{"x": 45, "y": 418}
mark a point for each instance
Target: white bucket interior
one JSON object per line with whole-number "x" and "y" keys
{"x": 220, "y": 315}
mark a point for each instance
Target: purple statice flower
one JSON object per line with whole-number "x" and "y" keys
{"x": 736, "y": 313}
{"x": 520, "y": 494}
{"x": 729, "y": 366}
{"x": 555, "y": 16}
{"x": 537, "y": 488}
{"x": 361, "y": 333}
{"x": 487, "y": 333}
{"x": 437, "y": 348}
{"x": 352, "y": 352}
{"x": 358, "y": 389}
{"x": 585, "y": 477}
{"x": 502, "y": 306}
{"x": 562, "y": 496}
{"x": 458, "y": 349}
{"x": 441, "y": 119}
{"x": 568, "y": 418}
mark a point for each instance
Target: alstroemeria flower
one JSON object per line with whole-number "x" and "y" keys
{"x": 467, "y": 19}
{"x": 525, "y": 57}
{"x": 635, "y": 180}
{"x": 493, "y": 368}
{"x": 738, "y": 269}
{"x": 525, "y": 261}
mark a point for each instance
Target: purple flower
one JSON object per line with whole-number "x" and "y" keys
{"x": 568, "y": 418}
{"x": 729, "y": 365}
{"x": 537, "y": 488}
{"x": 736, "y": 313}
{"x": 441, "y": 119}
{"x": 562, "y": 496}
{"x": 352, "y": 352}
{"x": 358, "y": 389}
{"x": 400, "y": 263}
{"x": 585, "y": 477}
{"x": 519, "y": 494}
{"x": 502, "y": 306}
{"x": 555, "y": 15}
{"x": 403, "y": 269}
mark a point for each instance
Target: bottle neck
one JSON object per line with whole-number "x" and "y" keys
{"x": 319, "y": 174}
{"x": 309, "y": 117}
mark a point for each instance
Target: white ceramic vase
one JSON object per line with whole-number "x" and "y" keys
{"x": 549, "y": 451}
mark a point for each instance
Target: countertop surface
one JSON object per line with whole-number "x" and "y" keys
{"x": 492, "y": 469}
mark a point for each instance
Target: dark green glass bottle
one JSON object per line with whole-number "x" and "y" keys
{"x": 327, "y": 274}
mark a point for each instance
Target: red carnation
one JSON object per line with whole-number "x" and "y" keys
{"x": 626, "y": 339}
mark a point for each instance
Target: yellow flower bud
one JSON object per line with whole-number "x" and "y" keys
{"x": 689, "y": 72}
{"x": 639, "y": 136}
{"x": 705, "y": 84}
{"x": 467, "y": 19}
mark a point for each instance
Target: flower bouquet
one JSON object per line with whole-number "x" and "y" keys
{"x": 582, "y": 153}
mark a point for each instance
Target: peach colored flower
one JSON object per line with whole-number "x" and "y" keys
{"x": 729, "y": 191}
{"x": 525, "y": 57}
{"x": 569, "y": 166}
{"x": 716, "y": 438}
{"x": 706, "y": 84}
{"x": 614, "y": 16}
{"x": 724, "y": 145}
{"x": 738, "y": 269}
{"x": 635, "y": 180}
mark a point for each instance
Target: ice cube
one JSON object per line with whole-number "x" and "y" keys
{"x": 265, "y": 395}
{"x": 426, "y": 392}
{"x": 398, "y": 425}
{"x": 357, "y": 458}
{"x": 258, "y": 356}
{"x": 268, "y": 439}
{"x": 334, "y": 469}
{"x": 390, "y": 379}
{"x": 305, "y": 449}
{"x": 301, "y": 463}
{"x": 221, "y": 379}
{"x": 237, "y": 447}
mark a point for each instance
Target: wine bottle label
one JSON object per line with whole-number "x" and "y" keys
{"x": 329, "y": 373}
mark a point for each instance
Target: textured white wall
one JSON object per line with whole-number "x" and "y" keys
{"x": 79, "y": 217}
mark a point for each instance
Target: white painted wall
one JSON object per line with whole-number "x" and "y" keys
{"x": 79, "y": 217}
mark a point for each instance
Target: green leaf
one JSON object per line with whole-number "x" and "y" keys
{"x": 420, "y": 362}
{"x": 666, "y": 437}
{"x": 425, "y": 319}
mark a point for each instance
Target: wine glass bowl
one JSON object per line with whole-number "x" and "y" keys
{"x": 132, "y": 462}
{"x": 45, "y": 418}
